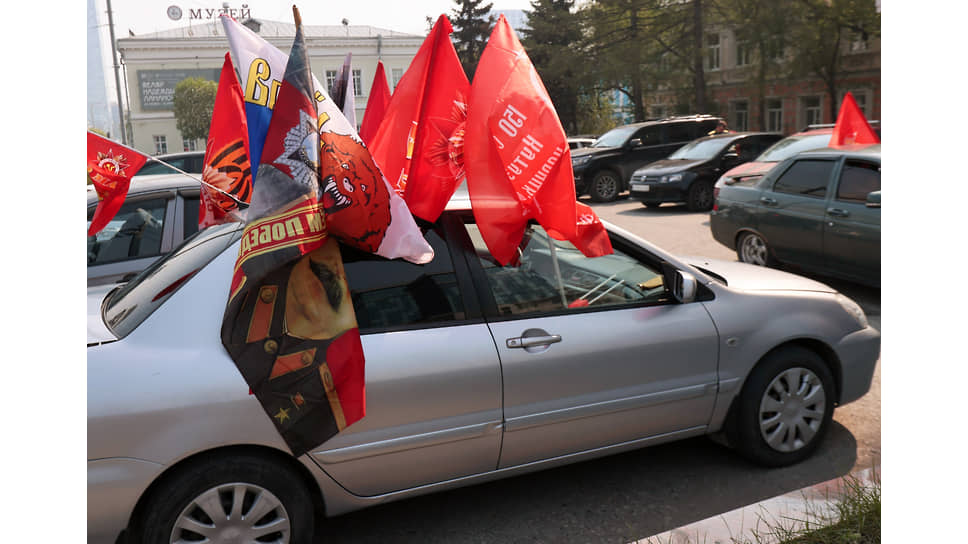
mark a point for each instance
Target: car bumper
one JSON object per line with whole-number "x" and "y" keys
{"x": 859, "y": 353}
{"x": 723, "y": 230}
{"x": 579, "y": 175}
{"x": 655, "y": 193}
{"x": 113, "y": 488}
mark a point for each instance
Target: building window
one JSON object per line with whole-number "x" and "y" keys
{"x": 660, "y": 111}
{"x": 810, "y": 110}
{"x": 858, "y": 43}
{"x": 189, "y": 145}
{"x": 331, "y": 79}
{"x": 774, "y": 115}
{"x": 397, "y": 74}
{"x": 161, "y": 144}
{"x": 744, "y": 54}
{"x": 775, "y": 49}
{"x": 712, "y": 51}
{"x": 741, "y": 115}
{"x": 357, "y": 82}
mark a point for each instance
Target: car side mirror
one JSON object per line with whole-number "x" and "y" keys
{"x": 731, "y": 159}
{"x": 681, "y": 285}
{"x": 873, "y": 199}
{"x": 635, "y": 142}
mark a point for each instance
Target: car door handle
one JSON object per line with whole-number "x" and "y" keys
{"x": 837, "y": 212}
{"x": 532, "y": 341}
{"x": 768, "y": 201}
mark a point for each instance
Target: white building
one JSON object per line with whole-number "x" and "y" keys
{"x": 155, "y": 63}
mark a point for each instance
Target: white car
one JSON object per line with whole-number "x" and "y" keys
{"x": 474, "y": 372}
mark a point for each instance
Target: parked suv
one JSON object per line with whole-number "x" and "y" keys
{"x": 603, "y": 170}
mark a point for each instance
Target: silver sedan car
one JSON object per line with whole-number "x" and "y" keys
{"x": 474, "y": 372}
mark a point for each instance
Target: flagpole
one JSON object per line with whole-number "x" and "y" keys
{"x": 242, "y": 205}
{"x": 554, "y": 264}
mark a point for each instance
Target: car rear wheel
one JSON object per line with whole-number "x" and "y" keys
{"x": 605, "y": 186}
{"x": 700, "y": 197}
{"x": 753, "y": 249}
{"x": 242, "y": 498}
{"x": 784, "y": 409}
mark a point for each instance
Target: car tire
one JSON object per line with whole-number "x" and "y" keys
{"x": 700, "y": 196}
{"x": 605, "y": 186}
{"x": 784, "y": 409}
{"x": 651, "y": 205}
{"x": 233, "y": 499}
{"x": 752, "y": 248}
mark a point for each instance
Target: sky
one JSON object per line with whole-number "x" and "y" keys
{"x": 147, "y": 16}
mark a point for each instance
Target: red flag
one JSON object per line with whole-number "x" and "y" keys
{"x": 227, "y": 164}
{"x": 376, "y": 105}
{"x": 419, "y": 144}
{"x": 852, "y": 127}
{"x": 289, "y": 324}
{"x": 517, "y": 157}
{"x": 110, "y": 166}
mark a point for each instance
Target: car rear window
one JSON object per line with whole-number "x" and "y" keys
{"x": 789, "y": 147}
{"x": 133, "y": 302}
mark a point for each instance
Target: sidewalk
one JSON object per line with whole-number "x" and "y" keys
{"x": 745, "y": 524}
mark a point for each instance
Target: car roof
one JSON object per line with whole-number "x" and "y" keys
{"x": 736, "y": 135}
{"x": 157, "y": 182}
{"x": 672, "y": 120}
{"x": 855, "y": 150}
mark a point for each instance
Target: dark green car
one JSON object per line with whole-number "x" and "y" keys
{"x": 819, "y": 210}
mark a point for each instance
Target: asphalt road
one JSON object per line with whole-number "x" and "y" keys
{"x": 635, "y": 495}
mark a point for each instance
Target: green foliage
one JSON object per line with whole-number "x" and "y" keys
{"x": 553, "y": 44}
{"x": 472, "y": 27}
{"x": 194, "y": 100}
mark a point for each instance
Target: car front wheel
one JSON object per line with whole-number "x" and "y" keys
{"x": 605, "y": 186}
{"x": 753, "y": 249}
{"x": 700, "y": 197}
{"x": 784, "y": 409}
{"x": 241, "y": 498}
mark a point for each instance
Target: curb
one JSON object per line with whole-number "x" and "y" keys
{"x": 753, "y": 523}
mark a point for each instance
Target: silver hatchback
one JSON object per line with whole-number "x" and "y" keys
{"x": 474, "y": 372}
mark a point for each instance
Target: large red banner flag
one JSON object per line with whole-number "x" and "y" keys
{"x": 289, "y": 324}
{"x": 110, "y": 167}
{"x": 517, "y": 156}
{"x": 227, "y": 165}
{"x": 419, "y": 145}
{"x": 376, "y": 105}
{"x": 852, "y": 127}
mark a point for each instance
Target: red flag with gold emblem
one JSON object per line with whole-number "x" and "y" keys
{"x": 419, "y": 145}
{"x": 852, "y": 127}
{"x": 289, "y": 324}
{"x": 517, "y": 156}
{"x": 227, "y": 164}
{"x": 110, "y": 167}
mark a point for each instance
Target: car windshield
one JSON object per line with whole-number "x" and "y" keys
{"x": 700, "y": 149}
{"x": 615, "y": 137}
{"x": 132, "y": 303}
{"x": 789, "y": 147}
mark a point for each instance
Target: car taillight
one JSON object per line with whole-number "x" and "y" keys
{"x": 715, "y": 199}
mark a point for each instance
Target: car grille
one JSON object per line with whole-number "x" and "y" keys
{"x": 642, "y": 178}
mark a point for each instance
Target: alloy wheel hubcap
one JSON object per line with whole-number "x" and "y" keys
{"x": 606, "y": 185}
{"x": 754, "y": 250}
{"x": 233, "y": 512}
{"x": 792, "y": 409}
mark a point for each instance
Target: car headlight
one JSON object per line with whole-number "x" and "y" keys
{"x": 579, "y": 161}
{"x": 671, "y": 178}
{"x": 853, "y": 309}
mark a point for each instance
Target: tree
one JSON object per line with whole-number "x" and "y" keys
{"x": 472, "y": 28}
{"x": 553, "y": 44}
{"x": 194, "y": 100}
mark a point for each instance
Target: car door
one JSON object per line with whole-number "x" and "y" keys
{"x": 138, "y": 234}
{"x": 852, "y": 232}
{"x": 433, "y": 380}
{"x": 650, "y": 149}
{"x": 792, "y": 210}
{"x": 594, "y": 352}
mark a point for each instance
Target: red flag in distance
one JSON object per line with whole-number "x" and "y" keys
{"x": 376, "y": 105}
{"x": 110, "y": 167}
{"x": 852, "y": 127}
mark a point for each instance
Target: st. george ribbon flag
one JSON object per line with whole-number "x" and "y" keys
{"x": 361, "y": 209}
{"x": 110, "y": 166}
{"x": 227, "y": 165}
{"x": 517, "y": 156}
{"x": 289, "y": 323}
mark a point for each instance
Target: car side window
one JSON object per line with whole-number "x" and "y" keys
{"x": 190, "y": 219}
{"x": 390, "y": 294}
{"x": 681, "y": 132}
{"x": 534, "y": 286}
{"x": 649, "y": 136}
{"x": 134, "y": 232}
{"x": 857, "y": 179}
{"x": 805, "y": 177}
{"x": 153, "y": 168}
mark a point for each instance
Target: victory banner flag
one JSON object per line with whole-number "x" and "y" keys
{"x": 376, "y": 106}
{"x": 227, "y": 165}
{"x": 361, "y": 209}
{"x": 420, "y": 142}
{"x": 289, "y": 324}
{"x": 110, "y": 166}
{"x": 517, "y": 156}
{"x": 852, "y": 127}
